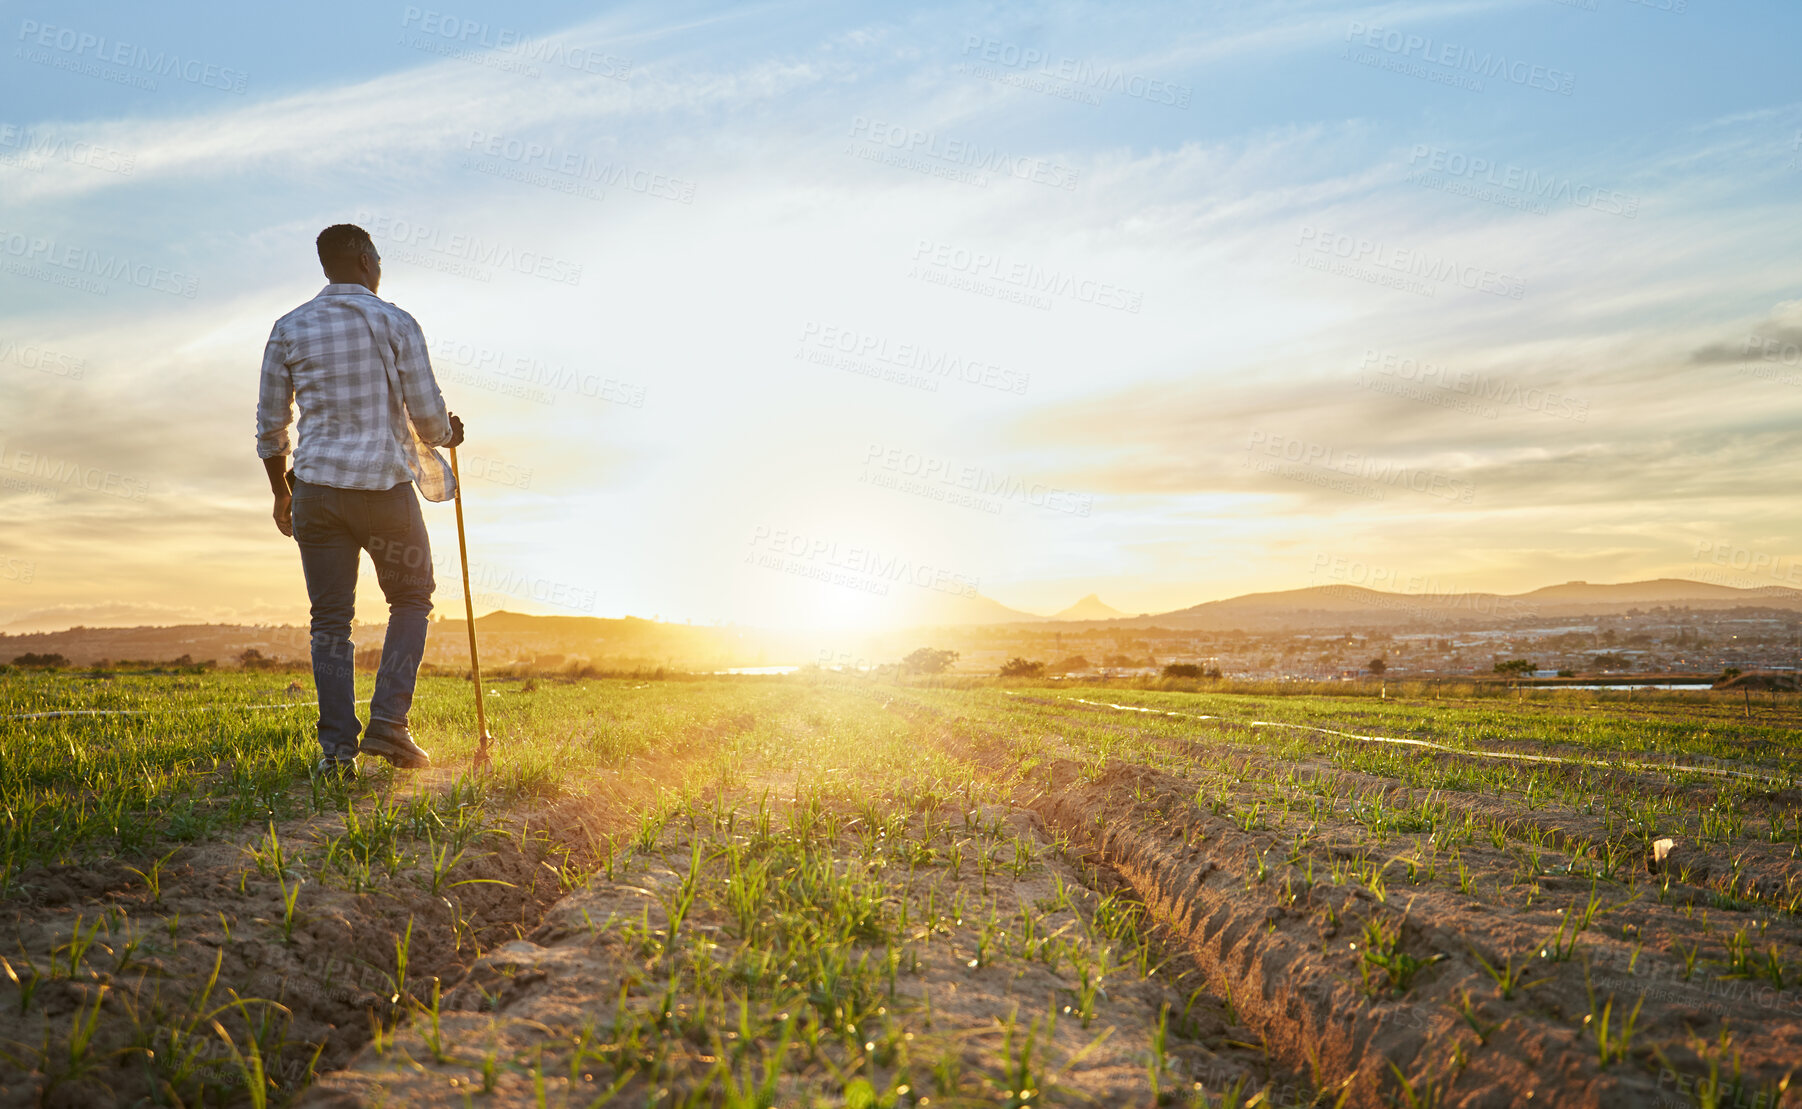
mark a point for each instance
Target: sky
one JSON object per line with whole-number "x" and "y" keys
{"x": 831, "y": 315}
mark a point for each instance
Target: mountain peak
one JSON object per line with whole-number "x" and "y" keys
{"x": 1090, "y": 608}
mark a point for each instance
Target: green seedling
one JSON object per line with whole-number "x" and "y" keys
{"x": 1509, "y": 979}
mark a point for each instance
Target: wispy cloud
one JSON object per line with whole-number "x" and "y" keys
{"x": 1218, "y": 278}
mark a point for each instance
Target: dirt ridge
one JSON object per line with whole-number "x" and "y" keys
{"x": 1310, "y": 1013}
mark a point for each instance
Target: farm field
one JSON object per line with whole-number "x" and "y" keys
{"x": 817, "y": 889}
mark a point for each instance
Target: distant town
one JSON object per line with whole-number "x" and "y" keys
{"x": 1575, "y": 632}
{"x": 1651, "y": 641}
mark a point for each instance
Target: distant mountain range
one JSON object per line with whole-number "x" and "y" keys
{"x": 1349, "y": 605}
{"x": 1338, "y": 606}
{"x": 950, "y": 610}
{"x": 635, "y": 642}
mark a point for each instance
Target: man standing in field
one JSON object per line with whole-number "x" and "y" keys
{"x": 370, "y": 409}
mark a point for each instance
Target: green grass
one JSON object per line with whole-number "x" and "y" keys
{"x": 833, "y": 848}
{"x": 75, "y": 789}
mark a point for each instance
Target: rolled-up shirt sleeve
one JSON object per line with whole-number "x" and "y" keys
{"x": 275, "y": 399}
{"x": 418, "y": 386}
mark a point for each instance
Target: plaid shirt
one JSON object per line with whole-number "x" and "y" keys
{"x": 328, "y": 355}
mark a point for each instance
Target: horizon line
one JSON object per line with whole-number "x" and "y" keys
{"x": 1031, "y": 617}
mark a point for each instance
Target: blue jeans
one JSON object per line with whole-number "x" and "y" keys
{"x": 333, "y": 527}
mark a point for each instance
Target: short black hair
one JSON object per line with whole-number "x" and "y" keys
{"x": 340, "y": 244}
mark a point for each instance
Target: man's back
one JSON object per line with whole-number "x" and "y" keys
{"x": 332, "y": 357}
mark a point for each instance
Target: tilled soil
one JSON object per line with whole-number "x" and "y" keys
{"x": 156, "y": 969}
{"x": 1292, "y": 947}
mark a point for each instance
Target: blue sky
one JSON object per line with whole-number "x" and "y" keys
{"x": 803, "y": 313}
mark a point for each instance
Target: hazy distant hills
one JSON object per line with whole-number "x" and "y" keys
{"x": 933, "y": 609}
{"x": 941, "y": 610}
{"x": 1661, "y": 591}
{"x": 634, "y": 642}
{"x": 1351, "y": 606}
{"x": 1339, "y": 606}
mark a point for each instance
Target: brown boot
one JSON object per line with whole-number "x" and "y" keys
{"x": 391, "y": 741}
